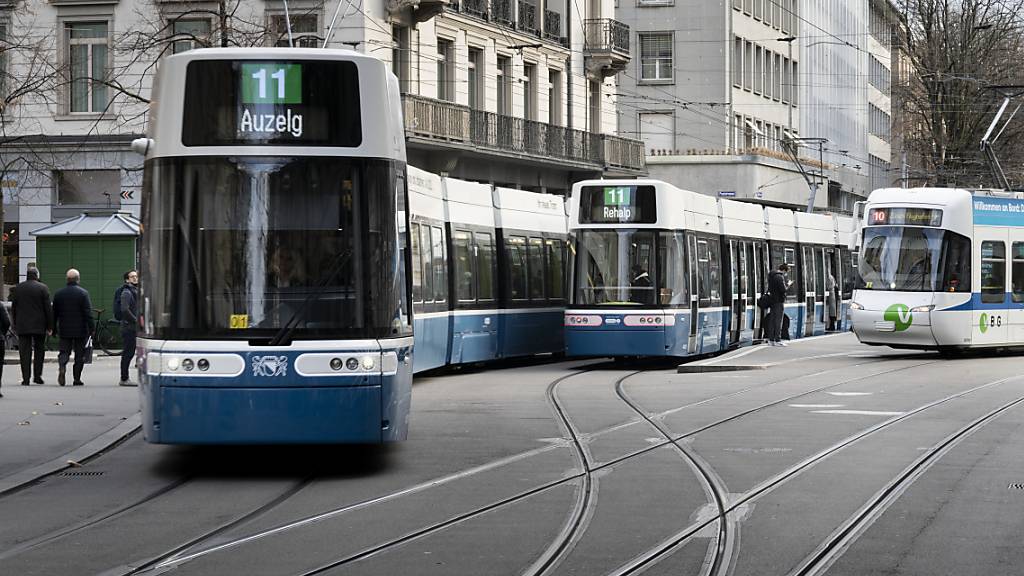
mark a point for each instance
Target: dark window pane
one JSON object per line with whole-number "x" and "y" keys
{"x": 462, "y": 255}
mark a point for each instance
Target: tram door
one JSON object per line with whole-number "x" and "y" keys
{"x": 809, "y": 276}
{"x": 833, "y": 289}
{"x": 691, "y": 259}
{"x": 753, "y": 287}
{"x": 736, "y": 304}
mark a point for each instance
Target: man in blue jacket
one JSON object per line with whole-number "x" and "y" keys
{"x": 72, "y": 314}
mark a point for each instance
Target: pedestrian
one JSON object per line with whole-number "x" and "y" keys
{"x": 5, "y": 326}
{"x": 777, "y": 286}
{"x": 72, "y": 315}
{"x": 831, "y": 302}
{"x": 128, "y": 300}
{"x": 33, "y": 320}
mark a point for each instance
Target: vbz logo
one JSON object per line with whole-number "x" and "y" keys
{"x": 900, "y": 316}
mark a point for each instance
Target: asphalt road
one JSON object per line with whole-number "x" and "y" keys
{"x": 824, "y": 457}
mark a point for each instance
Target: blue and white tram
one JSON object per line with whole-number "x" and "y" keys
{"x": 659, "y": 271}
{"x": 941, "y": 268}
{"x": 488, "y": 269}
{"x": 275, "y": 297}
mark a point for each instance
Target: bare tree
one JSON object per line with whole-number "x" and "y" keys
{"x": 959, "y": 51}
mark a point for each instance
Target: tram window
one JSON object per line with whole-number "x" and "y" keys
{"x": 819, "y": 271}
{"x": 849, "y": 273}
{"x": 485, "y": 266}
{"x": 734, "y": 268}
{"x": 428, "y": 265}
{"x": 535, "y": 253}
{"x": 993, "y": 272}
{"x": 417, "y": 263}
{"x": 555, "y": 269}
{"x": 440, "y": 267}
{"x": 462, "y": 248}
{"x": 1017, "y": 281}
{"x": 704, "y": 271}
{"x": 515, "y": 247}
{"x": 715, "y": 277}
{"x": 672, "y": 289}
{"x": 751, "y": 272}
{"x": 956, "y": 263}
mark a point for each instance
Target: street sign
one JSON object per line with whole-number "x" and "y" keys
{"x": 127, "y": 194}
{"x": 727, "y": 193}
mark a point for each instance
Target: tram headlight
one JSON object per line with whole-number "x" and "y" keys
{"x": 188, "y": 364}
{"x": 203, "y": 364}
{"x": 368, "y": 362}
{"x": 173, "y": 364}
{"x": 352, "y": 364}
{"x": 927, "y": 308}
{"x": 336, "y": 364}
{"x": 855, "y": 306}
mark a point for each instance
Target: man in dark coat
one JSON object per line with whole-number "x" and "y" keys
{"x": 129, "y": 322}
{"x": 72, "y": 314}
{"x": 33, "y": 320}
{"x": 777, "y": 286}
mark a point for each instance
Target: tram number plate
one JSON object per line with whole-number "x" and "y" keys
{"x": 239, "y": 321}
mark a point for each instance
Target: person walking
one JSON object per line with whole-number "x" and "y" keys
{"x": 33, "y": 320}
{"x": 5, "y": 326}
{"x": 72, "y": 315}
{"x": 777, "y": 286}
{"x": 128, "y": 300}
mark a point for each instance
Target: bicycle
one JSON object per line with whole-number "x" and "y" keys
{"x": 107, "y": 336}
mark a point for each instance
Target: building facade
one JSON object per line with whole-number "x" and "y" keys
{"x": 765, "y": 100}
{"x": 519, "y": 93}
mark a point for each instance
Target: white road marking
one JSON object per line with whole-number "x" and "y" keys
{"x": 850, "y": 393}
{"x": 860, "y": 412}
{"x": 816, "y": 405}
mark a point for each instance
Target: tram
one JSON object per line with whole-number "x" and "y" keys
{"x": 488, "y": 269}
{"x": 942, "y": 269}
{"x": 659, "y": 271}
{"x": 276, "y": 303}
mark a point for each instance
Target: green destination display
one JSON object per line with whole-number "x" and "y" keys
{"x": 618, "y": 204}
{"x": 267, "y": 83}
{"x": 618, "y": 196}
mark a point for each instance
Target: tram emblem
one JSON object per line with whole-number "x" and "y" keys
{"x": 900, "y": 315}
{"x": 269, "y": 366}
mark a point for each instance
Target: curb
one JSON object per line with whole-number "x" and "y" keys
{"x": 698, "y": 369}
{"x": 18, "y": 480}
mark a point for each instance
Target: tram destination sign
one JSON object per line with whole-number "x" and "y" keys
{"x": 905, "y": 217}
{"x": 618, "y": 204}
{"x": 992, "y": 211}
{"x": 254, "y": 103}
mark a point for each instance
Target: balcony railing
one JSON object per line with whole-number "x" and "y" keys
{"x": 446, "y": 122}
{"x": 552, "y": 26}
{"x": 528, "y": 18}
{"x": 607, "y": 35}
{"x": 501, "y": 12}
{"x": 476, "y": 8}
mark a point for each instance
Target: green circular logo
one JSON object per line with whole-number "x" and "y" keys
{"x": 983, "y": 323}
{"x": 900, "y": 316}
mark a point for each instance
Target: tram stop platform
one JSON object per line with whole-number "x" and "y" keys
{"x": 47, "y": 428}
{"x": 763, "y": 356}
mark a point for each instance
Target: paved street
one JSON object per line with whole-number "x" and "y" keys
{"x": 823, "y": 457}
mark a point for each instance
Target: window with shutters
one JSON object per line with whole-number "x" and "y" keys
{"x": 656, "y": 56}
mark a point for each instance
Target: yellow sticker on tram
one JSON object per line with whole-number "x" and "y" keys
{"x": 239, "y": 321}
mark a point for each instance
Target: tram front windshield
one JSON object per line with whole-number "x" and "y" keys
{"x": 629, "y": 267}
{"x": 243, "y": 248}
{"x": 912, "y": 259}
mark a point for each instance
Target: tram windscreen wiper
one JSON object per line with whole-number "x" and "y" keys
{"x": 286, "y": 330}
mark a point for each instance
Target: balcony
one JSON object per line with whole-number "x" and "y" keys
{"x": 437, "y": 122}
{"x": 607, "y": 46}
{"x": 476, "y": 8}
{"x": 412, "y": 11}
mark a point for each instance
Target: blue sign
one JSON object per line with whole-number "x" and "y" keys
{"x": 727, "y": 193}
{"x": 990, "y": 211}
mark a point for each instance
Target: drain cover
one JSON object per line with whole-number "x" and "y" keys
{"x": 83, "y": 473}
{"x": 1016, "y": 486}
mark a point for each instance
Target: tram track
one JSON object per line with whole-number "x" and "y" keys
{"x": 570, "y": 532}
{"x": 680, "y": 538}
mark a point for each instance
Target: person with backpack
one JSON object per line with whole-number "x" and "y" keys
{"x": 777, "y": 287}
{"x": 33, "y": 320}
{"x": 126, "y": 309}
